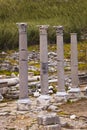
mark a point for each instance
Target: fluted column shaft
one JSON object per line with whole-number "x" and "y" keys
{"x": 43, "y": 59}
{"x": 60, "y": 58}
{"x": 23, "y": 62}
{"x": 74, "y": 61}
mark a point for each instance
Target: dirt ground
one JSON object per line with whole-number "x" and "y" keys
{"x": 78, "y": 108}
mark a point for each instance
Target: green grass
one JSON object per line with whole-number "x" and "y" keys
{"x": 71, "y": 14}
{"x": 5, "y": 72}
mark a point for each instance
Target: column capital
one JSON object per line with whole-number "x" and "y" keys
{"x": 43, "y": 29}
{"x": 22, "y": 27}
{"x": 59, "y": 30}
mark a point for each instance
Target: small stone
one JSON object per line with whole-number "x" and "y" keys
{"x": 50, "y": 87}
{"x": 36, "y": 94}
{"x": 50, "y": 91}
{"x": 72, "y": 117}
{"x": 52, "y": 108}
{"x": 13, "y": 75}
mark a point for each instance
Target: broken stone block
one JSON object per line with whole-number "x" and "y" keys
{"x": 48, "y": 119}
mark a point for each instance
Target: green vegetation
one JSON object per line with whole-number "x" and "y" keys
{"x": 5, "y": 72}
{"x": 72, "y": 14}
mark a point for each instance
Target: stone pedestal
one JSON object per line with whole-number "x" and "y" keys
{"x": 23, "y": 104}
{"x": 43, "y": 100}
{"x": 23, "y": 66}
{"x": 49, "y": 122}
{"x": 74, "y": 93}
{"x": 61, "y": 97}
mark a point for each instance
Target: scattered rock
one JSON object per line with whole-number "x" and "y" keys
{"x": 52, "y": 108}
{"x": 36, "y": 94}
{"x": 72, "y": 117}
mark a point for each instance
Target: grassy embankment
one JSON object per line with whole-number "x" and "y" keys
{"x": 71, "y": 14}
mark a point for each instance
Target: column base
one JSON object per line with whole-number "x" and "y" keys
{"x": 23, "y": 104}
{"x": 61, "y": 97}
{"x": 43, "y": 100}
{"x": 74, "y": 93}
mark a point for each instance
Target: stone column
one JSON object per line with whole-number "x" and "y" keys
{"x": 43, "y": 59}
{"x": 74, "y": 66}
{"x": 23, "y": 67}
{"x": 60, "y": 62}
{"x": 43, "y": 62}
{"x": 74, "y": 61}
